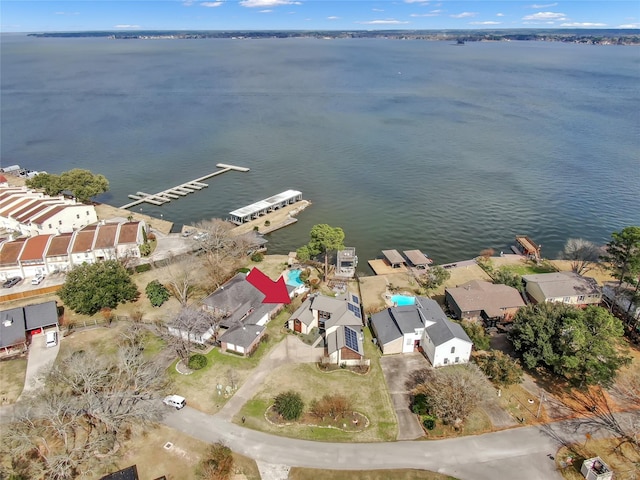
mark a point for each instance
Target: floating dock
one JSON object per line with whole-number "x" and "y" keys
{"x": 181, "y": 190}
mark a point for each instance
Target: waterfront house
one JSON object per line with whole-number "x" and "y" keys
{"x": 562, "y": 287}
{"x": 243, "y": 316}
{"x": 339, "y": 323}
{"x": 478, "y": 300}
{"x": 422, "y": 326}
{"x": 346, "y": 262}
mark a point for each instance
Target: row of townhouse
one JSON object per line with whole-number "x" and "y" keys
{"x": 28, "y": 212}
{"x": 28, "y": 256}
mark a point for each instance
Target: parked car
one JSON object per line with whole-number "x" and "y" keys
{"x": 37, "y": 279}
{"x": 52, "y": 339}
{"x": 175, "y": 401}
{"x": 186, "y": 233}
{"x": 11, "y": 282}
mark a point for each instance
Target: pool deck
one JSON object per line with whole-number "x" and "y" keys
{"x": 382, "y": 267}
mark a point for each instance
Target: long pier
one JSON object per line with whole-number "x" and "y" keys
{"x": 181, "y": 190}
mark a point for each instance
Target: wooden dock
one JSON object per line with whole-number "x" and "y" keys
{"x": 181, "y": 190}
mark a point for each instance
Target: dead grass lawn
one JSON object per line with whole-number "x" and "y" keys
{"x": 624, "y": 463}
{"x": 146, "y": 450}
{"x": 12, "y": 373}
{"x": 297, "y": 473}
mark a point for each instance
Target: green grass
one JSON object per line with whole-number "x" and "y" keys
{"x": 478, "y": 422}
{"x": 297, "y": 473}
{"x": 367, "y": 392}
{"x": 530, "y": 268}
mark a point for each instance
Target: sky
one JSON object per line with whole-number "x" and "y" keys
{"x": 87, "y": 15}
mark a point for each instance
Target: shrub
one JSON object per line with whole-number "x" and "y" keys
{"x": 289, "y": 405}
{"x": 429, "y": 422}
{"x": 500, "y": 368}
{"x": 145, "y": 249}
{"x": 267, "y": 223}
{"x": 477, "y": 334}
{"x": 257, "y": 257}
{"x": 157, "y": 293}
{"x": 145, "y": 267}
{"x": 217, "y": 463}
{"x": 420, "y": 404}
{"x": 332, "y": 406}
{"x": 244, "y": 270}
{"x": 197, "y": 361}
{"x": 304, "y": 275}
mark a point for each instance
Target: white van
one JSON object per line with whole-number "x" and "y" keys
{"x": 175, "y": 401}
{"x": 52, "y": 339}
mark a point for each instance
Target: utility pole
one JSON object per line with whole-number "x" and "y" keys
{"x": 540, "y": 403}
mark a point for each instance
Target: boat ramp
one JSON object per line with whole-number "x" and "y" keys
{"x": 181, "y": 190}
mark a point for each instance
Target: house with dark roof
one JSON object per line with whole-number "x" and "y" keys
{"x": 339, "y": 322}
{"x": 421, "y": 326}
{"x": 562, "y": 287}
{"x": 242, "y": 314}
{"x": 485, "y": 301}
{"x": 18, "y": 324}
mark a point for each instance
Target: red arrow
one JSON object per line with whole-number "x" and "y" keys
{"x": 274, "y": 292}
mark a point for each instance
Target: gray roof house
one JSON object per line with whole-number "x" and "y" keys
{"x": 423, "y": 326}
{"x": 240, "y": 305}
{"x": 562, "y": 287}
{"x": 339, "y": 321}
{"x": 17, "y": 323}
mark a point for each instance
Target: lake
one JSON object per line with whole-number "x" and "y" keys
{"x": 404, "y": 144}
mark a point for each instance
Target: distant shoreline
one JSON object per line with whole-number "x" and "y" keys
{"x": 580, "y": 36}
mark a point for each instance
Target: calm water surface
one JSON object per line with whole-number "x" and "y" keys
{"x": 404, "y": 144}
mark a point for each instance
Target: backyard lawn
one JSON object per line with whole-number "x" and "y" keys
{"x": 367, "y": 392}
{"x": 624, "y": 462}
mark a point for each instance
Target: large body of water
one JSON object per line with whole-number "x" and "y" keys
{"x": 404, "y": 144}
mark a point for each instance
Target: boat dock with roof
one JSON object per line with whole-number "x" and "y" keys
{"x": 181, "y": 190}
{"x": 268, "y": 205}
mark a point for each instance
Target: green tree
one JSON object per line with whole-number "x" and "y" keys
{"x": 84, "y": 184}
{"x": 324, "y": 239}
{"x": 500, "y": 368}
{"x": 477, "y": 334}
{"x": 47, "y": 182}
{"x": 289, "y": 404}
{"x": 157, "y": 293}
{"x": 434, "y": 277}
{"x": 581, "y": 345}
{"x": 623, "y": 254}
{"x": 507, "y": 277}
{"x": 91, "y": 287}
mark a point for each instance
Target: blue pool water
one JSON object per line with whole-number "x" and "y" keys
{"x": 293, "y": 278}
{"x": 403, "y": 300}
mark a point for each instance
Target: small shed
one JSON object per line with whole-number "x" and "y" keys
{"x": 595, "y": 469}
{"x": 394, "y": 258}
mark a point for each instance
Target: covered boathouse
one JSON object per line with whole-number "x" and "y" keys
{"x": 268, "y": 205}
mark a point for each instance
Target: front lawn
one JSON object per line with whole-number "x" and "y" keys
{"x": 12, "y": 373}
{"x": 367, "y": 392}
{"x": 226, "y": 369}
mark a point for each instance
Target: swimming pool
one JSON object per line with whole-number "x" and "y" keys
{"x": 403, "y": 300}
{"x": 293, "y": 278}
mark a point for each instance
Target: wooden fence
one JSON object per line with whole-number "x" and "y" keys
{"x": 30, "y": 293}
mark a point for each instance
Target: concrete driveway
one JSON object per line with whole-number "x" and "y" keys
{"x": 396, "y": 370}
{"x": 39, "y": 361}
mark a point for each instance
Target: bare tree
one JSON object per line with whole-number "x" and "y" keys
{"x": 453, "y": 392}
{"x": 582, "y": 254}
{"x": 182, "y": 282}
{"x": 188, "y": 328}
{"x": 88, "y": 405}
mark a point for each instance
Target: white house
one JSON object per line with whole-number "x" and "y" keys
{"x": 422, "y": 326}
{"x": 33, "y": 213}
{"x": 562, "y": 287}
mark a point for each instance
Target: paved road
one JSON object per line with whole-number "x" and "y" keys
{"x": 518, "y": 453}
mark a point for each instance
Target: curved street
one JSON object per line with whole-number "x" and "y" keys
{"x": 517, "y": 453}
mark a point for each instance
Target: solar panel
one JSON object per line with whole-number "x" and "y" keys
{"x": 354, "y": 309}
{"x": 351, "y": 339}
{"x": 355, "y": 299}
